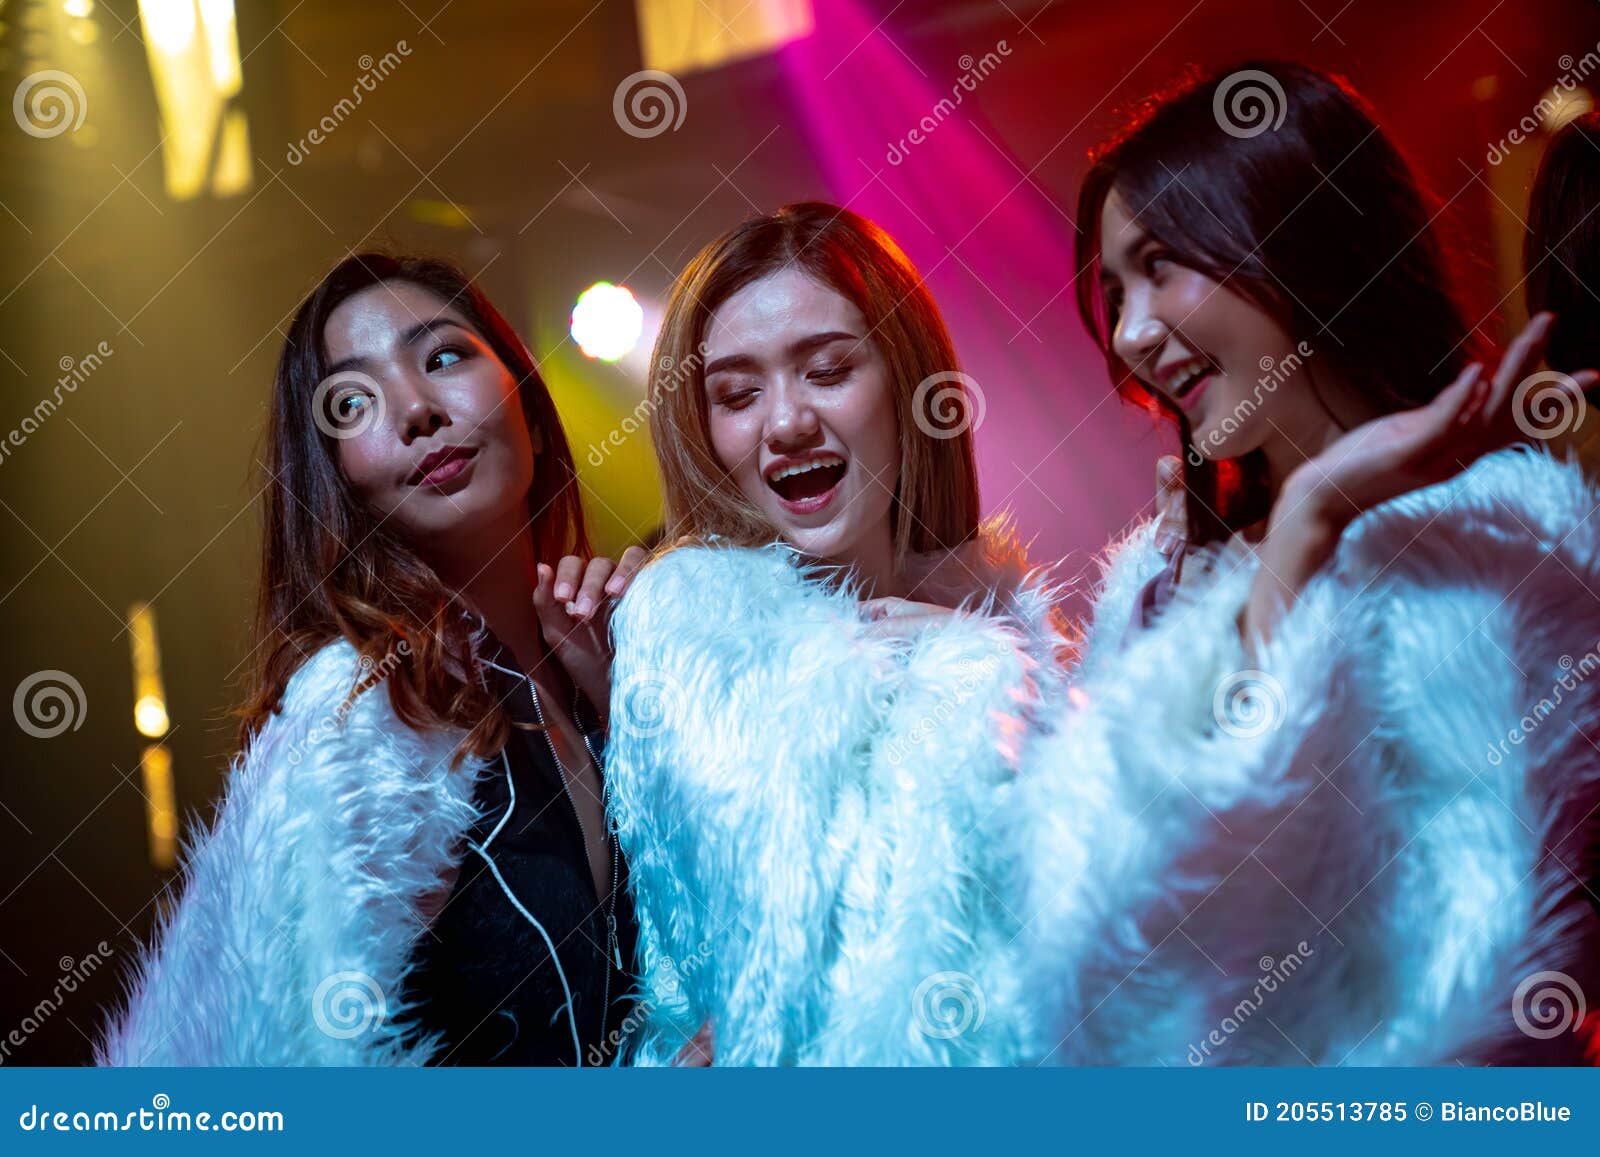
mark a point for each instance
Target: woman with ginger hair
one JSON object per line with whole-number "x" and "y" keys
{"x": 815, "y": 685}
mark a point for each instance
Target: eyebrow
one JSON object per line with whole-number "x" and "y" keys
{"x": 805, "y": 345}
{"x": 409, "y": 337}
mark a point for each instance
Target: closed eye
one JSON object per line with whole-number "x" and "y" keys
{"x": 735, "y": 399}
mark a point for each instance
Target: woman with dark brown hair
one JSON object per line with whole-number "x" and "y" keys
{"x": 1322, "y": 761}
{"x": 816, "y": 686}
{"x": 413, "y": 862}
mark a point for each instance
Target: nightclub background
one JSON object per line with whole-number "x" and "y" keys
{"x": 177, "y": 174}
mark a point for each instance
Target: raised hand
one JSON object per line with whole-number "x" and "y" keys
{"x": 1386, "y": 458}
{"x": 574, "y": 600}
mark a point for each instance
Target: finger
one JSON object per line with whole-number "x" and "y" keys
{"x": 569, "y": 571}
{"x": 1523, "y": 353}
{"x": 890, "y": 607}
{"x": 1436, "y": 420}
{"x": 622, "y": 578}
{"x": 1170, "y": 527}
{"x": 554, "y": 622}
{"x": 1169, "y": 474}
{"x": 1463, "y": 399}
{"x": 874, "y": 609}
{"x": 1477, "y": 394}
{"x": 593, "y": 589}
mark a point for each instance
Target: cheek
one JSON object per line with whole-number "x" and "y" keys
{"x": 490, "y": 410}
{"x": 735, "y": 438}
{"x": 868, "y": 414}
{"x": 1199, "y": 306}
{"x": 366, "y": 467}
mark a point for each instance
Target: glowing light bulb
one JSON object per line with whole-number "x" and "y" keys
{"x": 607, "y": 321}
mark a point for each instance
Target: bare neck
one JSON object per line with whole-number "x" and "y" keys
{"x": 497, "y": 580}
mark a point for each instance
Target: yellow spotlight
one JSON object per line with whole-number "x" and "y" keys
{"x": 149, "y": 697}
{"x": 678, "y": 36}
{"x": 161, "y": 809}
{"x": 193, "y": 50}
{"x": 168, "y": 25}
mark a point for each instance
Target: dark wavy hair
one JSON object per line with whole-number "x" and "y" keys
{"x": 1317, "y": 220}
{"x": 331, "y": 568}
{"x": 1561, "y": 252}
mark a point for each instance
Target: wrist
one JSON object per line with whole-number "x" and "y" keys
{"x": 1313, "y": 506}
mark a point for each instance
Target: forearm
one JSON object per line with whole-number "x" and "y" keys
{"x": 1302, "y": 535}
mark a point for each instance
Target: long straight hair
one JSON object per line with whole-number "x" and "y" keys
{"x": 331, "y": 568}
{"x": 936, "y": 496}
{"x": 1316, "y": 219}
{"x": 1561, "y": 251}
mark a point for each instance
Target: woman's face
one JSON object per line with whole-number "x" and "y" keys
{"x": 1218, "y": 357}
{"x": 801, "y": 411}
{"x": 429, "y": 429}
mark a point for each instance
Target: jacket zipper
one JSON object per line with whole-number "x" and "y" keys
{"x": 605, "y": 793}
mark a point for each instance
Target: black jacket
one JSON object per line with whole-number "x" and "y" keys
{"x": 525, "y": 964}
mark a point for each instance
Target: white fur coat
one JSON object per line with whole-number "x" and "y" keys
{"x": 809, "y": 810}
{"x": 1360, "y": 845}
{"x": 300, "y": 906}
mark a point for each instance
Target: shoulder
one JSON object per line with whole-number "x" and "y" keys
{"x": 709, "y": 584}
{"x": 337, "y": 723}
{"x": 694, "y": 566}
{"x": 1510, "y": 506}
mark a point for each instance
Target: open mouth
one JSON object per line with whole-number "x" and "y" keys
{"x": 807, "y": 485}
{"x": 1188, "y": 381}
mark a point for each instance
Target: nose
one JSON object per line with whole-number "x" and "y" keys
{"x": 1140, "y": 333}
{"x": 792, "y": 421}
{"x": 418, "y": 412}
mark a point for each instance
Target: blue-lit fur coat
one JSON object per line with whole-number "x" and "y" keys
{"x": 810, "y": 810}
{"x": 1368, "y": 841}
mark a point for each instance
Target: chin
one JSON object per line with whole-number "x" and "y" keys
{"x": 1217, "y": 445}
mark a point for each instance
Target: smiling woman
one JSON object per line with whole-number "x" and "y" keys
{"x": 1285, "y": 735}
{"x": 815, "y": 685}
{"x": 430, "y": 666}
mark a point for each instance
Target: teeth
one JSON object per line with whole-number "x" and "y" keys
{"x": 1188, "y": 375}
{"x": 805, "y": 467}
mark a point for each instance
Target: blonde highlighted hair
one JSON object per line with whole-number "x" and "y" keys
{"x": 936, "y": 496}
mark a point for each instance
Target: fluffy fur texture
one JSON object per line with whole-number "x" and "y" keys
{"x": 809, "y": 810}
{"x": 300, "y": 905}
{"x": 1360, "y": 845}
